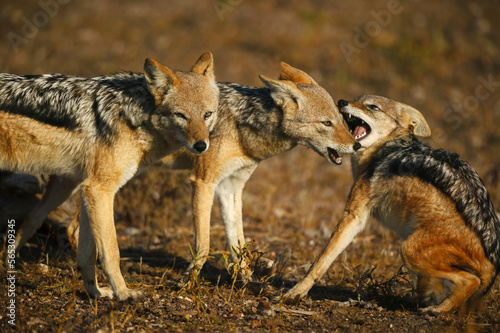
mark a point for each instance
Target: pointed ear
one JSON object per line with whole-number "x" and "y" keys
{"x": 282, "y": 92}
{"x": 295, "y": 75}
{"x": 205, "y": 66}
{"x": 416, "y": 121}
{"x": 159, "y": 77}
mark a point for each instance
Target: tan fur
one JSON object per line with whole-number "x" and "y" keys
{"x": 22, "y": 138}
{"x": 235, "y": 153}
{"x": 237, "y": 148}
{"x": 438, "y": 245}
{"x": 101, "y": 168}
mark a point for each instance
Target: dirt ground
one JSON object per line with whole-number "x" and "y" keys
{"x": 440, "y": 57}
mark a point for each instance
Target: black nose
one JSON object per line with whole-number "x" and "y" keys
{"x": 342, "y": 103}
{"x": 200, "y": 146}
{"x": 356, "y": 146}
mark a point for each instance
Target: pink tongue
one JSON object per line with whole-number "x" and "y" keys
{"x": 359, "y": 130}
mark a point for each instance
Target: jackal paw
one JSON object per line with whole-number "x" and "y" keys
{"x": 125, "y": 294}
{"x": 96, "y": 292}
{"x": 296, "y": 293}
{"x": 446, "y": 306}
{"x": 430, "y": 310}
{"x": 187, "y": 276}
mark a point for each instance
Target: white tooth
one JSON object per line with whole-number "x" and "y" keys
{"x": 360, "y": 136}
{"x": 362, "y": 121}
{"x": 350, "y": 115}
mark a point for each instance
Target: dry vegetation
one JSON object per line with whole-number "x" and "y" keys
{"x": 432, "y": 55}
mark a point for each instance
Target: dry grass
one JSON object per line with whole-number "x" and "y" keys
{"x": 433, "y": 56}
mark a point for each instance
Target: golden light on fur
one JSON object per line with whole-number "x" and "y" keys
{"x": 432, "y": 199}
{"x": 98, "y": 133}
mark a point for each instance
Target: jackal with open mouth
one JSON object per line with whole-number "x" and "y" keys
{"x": 431, "y": 198}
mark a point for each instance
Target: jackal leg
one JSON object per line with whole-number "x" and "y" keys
{"x": 74, "y": 230}
{"x": 439, "y": 260}
{"x": 229, "y": 194}
{"x": 202, "y": 201}
{"x": 86, "y": 257}
{"x": 353, "y": 221}
{"x": 432, "y": 290}
{"x": 97, "y": 232}
{"x": 58, "y": 190}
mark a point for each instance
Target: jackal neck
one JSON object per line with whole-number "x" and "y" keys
{"x": 257, "y": 118}
{"x": 362, "y": 159}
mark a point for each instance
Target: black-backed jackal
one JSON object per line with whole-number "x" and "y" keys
{"x": 430, "y": 197}
{"x": 98, "y": 132}
{"x": 254, "y": 124}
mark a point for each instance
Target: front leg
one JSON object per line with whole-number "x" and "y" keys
{"x": 87, "y": 255}
{"x": 202, "y": 201}
{"x": 229, "y": 194}
{"x": 353, "y": 221}
{"x": 98, "y": 233}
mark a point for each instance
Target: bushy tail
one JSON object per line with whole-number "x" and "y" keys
{"x": 473, "y": 202}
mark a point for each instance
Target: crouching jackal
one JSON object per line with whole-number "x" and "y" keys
{"x": 430, "y": 197}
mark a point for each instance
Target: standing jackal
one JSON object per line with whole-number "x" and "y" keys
{"x": 254, "y": 124}
{"x": 430, "y": 197}
{"x": 98, "y": 132}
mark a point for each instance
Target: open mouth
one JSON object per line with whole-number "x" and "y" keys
{"x": 334, "y": 156}
{"x": 357, "y": 126}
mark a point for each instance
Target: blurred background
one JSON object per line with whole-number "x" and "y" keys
{"x": 442, "y": 57}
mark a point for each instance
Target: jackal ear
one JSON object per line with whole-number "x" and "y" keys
{"x": 295, "y": 75}
{"x": 283, "y": 92}
{"x": 416, "y": 121}
{"x": 159, "y": 77}
{"x": 205, "y": 66}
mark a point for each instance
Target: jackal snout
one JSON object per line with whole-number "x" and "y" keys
{"x": 310, "y": 115}
{"x": 371, "y": 118}
{"x": 194, "y": 131}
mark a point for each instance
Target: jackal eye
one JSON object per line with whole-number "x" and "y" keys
{"x": 207, "y": 114}
{"x": 327, "y": 123}
{"x": 180, "y": 115}
{"x": 373, "y": 107}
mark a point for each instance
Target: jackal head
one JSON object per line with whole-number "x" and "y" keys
{"x": 372, "y": 118}
{"x": 186, "y": 102}
{"x": 310, "y": 116}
